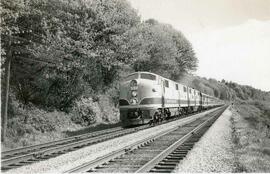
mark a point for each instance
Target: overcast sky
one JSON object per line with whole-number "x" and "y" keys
{"x": 231, "y": 38}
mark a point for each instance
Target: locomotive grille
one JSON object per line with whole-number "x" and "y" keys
{"x": 133, "y": 114}
{"x": 123, "y": 102}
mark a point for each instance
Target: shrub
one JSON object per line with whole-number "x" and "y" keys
{"x": 83, "y": 112}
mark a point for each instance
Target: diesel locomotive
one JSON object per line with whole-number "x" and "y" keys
{"x": 147, "y": 97}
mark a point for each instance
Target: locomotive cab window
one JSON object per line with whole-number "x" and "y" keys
{"x": 185, "y": 89}
{"x": 131, "y": 77}
{"x": 176, "y": 86}
{"x": 148, "y": 76}
{"x": 166, "y": 83}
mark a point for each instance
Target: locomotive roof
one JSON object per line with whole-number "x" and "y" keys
{"x": 172, "y": 81}
{"x": 143, "y": 72}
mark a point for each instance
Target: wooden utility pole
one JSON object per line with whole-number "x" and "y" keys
{"x": 7, "y": 77}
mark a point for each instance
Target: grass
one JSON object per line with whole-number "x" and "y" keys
{"x": 238, "y": 166}
{"x": 250, "y": 136}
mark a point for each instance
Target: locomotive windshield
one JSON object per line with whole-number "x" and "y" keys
{"x": 132, "y": 76}
{"x": 148, "y": 76}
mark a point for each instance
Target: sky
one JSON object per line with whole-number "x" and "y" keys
{"x": 231, "y": 38}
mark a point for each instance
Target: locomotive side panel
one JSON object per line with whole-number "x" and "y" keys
{"x": 183, "y": 96}
{"x": 191, "y": 97}
{"x": 196, "y": 99}
{"x": 171, "y": 94}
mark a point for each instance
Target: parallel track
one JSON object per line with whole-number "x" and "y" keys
{"x": 27, "y": 155}
{"x": 160, "y": 153}
{"x": 28, "y": 149}
{"x": 23, "y": 156}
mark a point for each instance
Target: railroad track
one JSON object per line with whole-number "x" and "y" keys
{"x": 23, "y": 156}
{"x": 160, "y": 153}
{"x": 28, "y": 149}
{"x": 27, "y": 155}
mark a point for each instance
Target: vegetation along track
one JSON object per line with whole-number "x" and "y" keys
{"x": 159, "y": 153}
{"x": 22, "y": 156}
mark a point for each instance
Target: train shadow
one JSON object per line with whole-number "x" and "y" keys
{"x": 90, "y": 129}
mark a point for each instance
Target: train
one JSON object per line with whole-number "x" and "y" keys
{"x": 146, "y": 98}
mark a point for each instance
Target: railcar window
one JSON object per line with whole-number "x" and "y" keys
{"x": 185, "y": 89}
{"x": 176, "y": 86}
{"x": 166, "y": 82}
{"x": 148, "y": 76}
{"x": 190, "y": 91}
{"x": 159, "y": 80}
{"x": 131, "y": 77}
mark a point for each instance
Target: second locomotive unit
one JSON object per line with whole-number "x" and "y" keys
{"x": 145, "y": 95}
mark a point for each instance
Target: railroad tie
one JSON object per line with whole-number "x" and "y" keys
{"x": 188, "y": 144}
{"x": 174, "y": 158}
{"x": 165, "y": 166}
{"x": 99, "y": 167}
{"x": 15, "y": 165}
{"x": 168, "y": 162}
{"x": 154, "y": 170}
{"x": 26, "y": 162}
{"x": 179, "y": 153}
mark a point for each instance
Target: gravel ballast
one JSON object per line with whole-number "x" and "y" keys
{"x": 213, "y": 152}
{"x": 73, "y": 159}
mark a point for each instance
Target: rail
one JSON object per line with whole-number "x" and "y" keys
{"x": 101, "y": 161}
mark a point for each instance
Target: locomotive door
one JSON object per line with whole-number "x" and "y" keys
{"x": 188, "y": 102}
{"x": 163, "y": 93}
{"x": 179, "y": 97}
{"x": 200, "y": 98}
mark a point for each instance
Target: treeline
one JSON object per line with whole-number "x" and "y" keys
{"x": 63, "y": 50}
{"x": 225, "y": 90}
{"x": 246, "y": 92}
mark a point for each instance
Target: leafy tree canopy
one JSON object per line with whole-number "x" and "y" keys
{"x": 71, "y": 48}
{"x": 161, "y": 49}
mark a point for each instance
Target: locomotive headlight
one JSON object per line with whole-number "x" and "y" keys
{"x": 134, "y": 93}
{"x": 133, "y": 83}
{"x": 133, "y": 101}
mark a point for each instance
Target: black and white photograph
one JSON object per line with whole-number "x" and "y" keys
{"x": 135, "y": 86}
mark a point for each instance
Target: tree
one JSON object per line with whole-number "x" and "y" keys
{"x": 76, "y": 47}
{"x": 160, "y": 49}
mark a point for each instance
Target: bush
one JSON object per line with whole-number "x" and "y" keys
{"x": 16, "y": 128}
{"x": 113, "y": 93}
{"x": 256, "y": 113}
{"x": 83, "y": 112}
{"x": 84, "y": 119}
